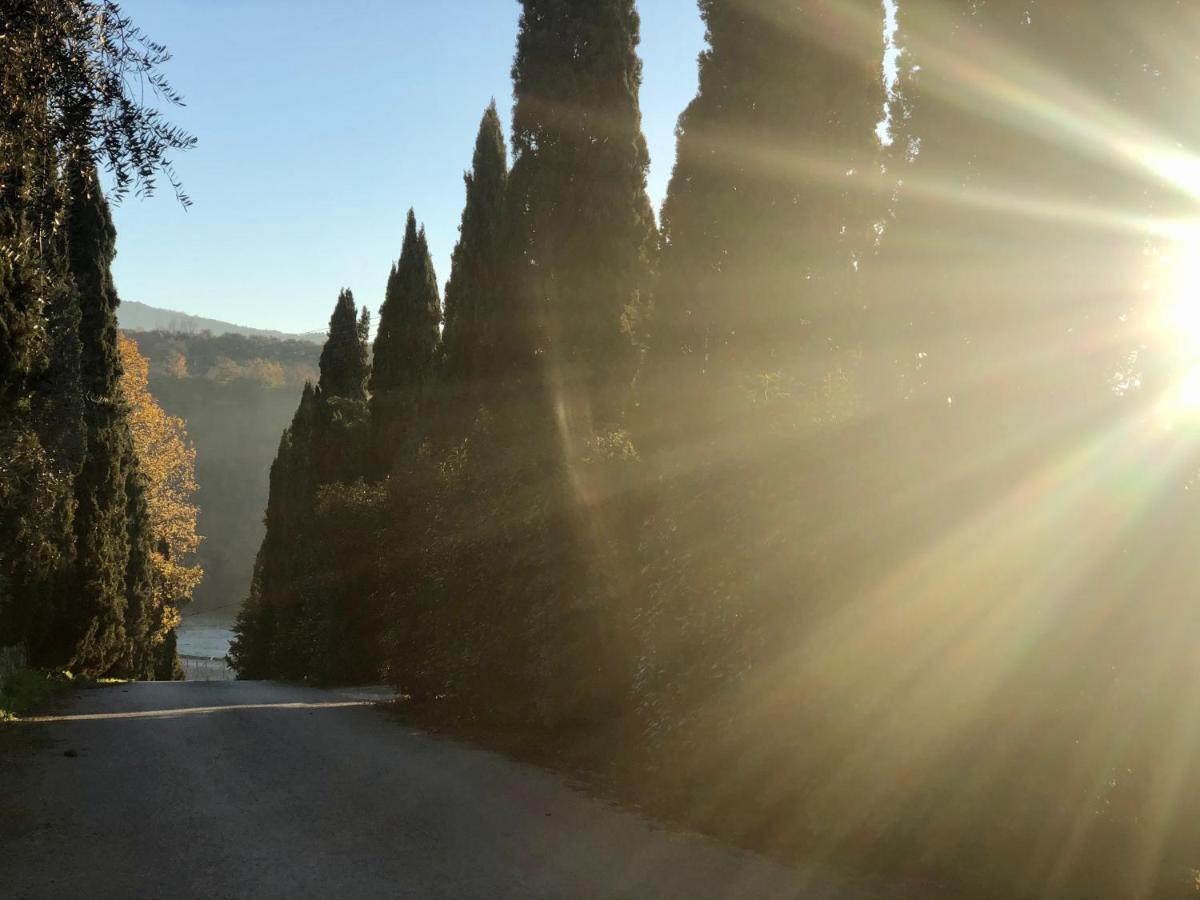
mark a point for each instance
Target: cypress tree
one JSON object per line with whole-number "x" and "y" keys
{"x": 289, "y": 500}
{"x": 95, "y": 610}
{"x": 253, "y": 629}
{"x": 22, "y": 339}
{"x": 340, "y": 436}
{"x": 475, "y": 319}
{"x": 748, "y": 384}
{"x": 364, "y": 339}
{"x": 405, "y": 345}
{"x": 40, "y": 397}
{"x": 286, "y": 627}
{"x": 757, "y": 293}
{"x": 343, "y": 363}
{"x": 142, "y": 659}
{"x": 578, "y": 241}
{"x": 61, "y": 431}
{"x": 261, "y": 643}
{"x": 582, "y": 224}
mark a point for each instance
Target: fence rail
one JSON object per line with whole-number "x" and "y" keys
{"x": 206, "y": 668}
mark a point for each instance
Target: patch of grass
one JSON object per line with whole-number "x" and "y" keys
{"x": 28, "y": 691}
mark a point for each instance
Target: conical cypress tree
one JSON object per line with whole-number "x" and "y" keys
{"x": 273, "y": 596}
{"x": 748, "y": 376}
{"x": 40, "y": 395}
{"x": 474, "y": 315}
{"x": 293, "y": 481}
{"x": 364, "y": 338}
{"x": 582, "y": 223}
{"x": 60, "y": 62}
{"x": 141, "y": 660}
{"x": 344, "y": 357}
{"x": 405, "y": 345}
{"x": 757, "y": 275}
{"x": 579, "y": 236}
{"x": 340, "y": 437}
{"x": 92, "y": 624}
{"x": 107, "y": 593}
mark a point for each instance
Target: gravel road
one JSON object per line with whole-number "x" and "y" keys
{"x": 257, "y": 789}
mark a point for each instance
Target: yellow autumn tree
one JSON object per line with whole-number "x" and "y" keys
{"x": 168, "y": 460}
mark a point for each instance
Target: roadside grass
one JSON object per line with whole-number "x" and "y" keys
{"x": 25, "y": 692}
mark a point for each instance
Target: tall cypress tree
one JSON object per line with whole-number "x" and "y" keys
{"x": 143, "y": 659}
{"x": 405, "y": 345}
{"x": 749, "y": 376}
{"x": 100, "y": 615}
{"x": 261, "y": 634}
{"x": 769, "y": 209}
{"x": 579, "y": 241}
{"x": 285, "y": 627}
{"x": 61, "y": 431}
{"x": 40, "y": 395}
{"x": 364, "y": 339}
{"x": 343, "y": 363}
{"x": 475, "y": 317}
{"x": 93, "y": 614}
{"x": 582, "y": 223}
{"x": 341, "y": 430}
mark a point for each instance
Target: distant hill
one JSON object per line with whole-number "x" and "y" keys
{"x": 134, "y": 316}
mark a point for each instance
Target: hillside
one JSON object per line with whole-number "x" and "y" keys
{"x": 134, "y": 316}
{"x": 237, "y": 394}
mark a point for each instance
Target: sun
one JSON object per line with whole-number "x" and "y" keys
{"x": 1184, "y": 319}
{"x": 1181, "y": 325}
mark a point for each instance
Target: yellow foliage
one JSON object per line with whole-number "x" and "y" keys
{"x": 168, "y": 461}
{"x": 176, "y": 365}
{"x": 266, "y": 372}
{"x": 225, "y": 371}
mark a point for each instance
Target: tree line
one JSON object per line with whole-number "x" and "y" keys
{"x": 95, "y": 519}
{"x": 851, "y": 502}
{"x": 843, "y": 488}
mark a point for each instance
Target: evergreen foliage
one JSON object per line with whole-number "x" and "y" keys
{"x": 749, "y": 397}
{"x": 827, "y": 536}
{"x": 258, "y": 648}
{"x": 40, "y": 404}
{"x": 405, "y": 344}
{"x": 344, "y": 366}
{"x": 75, "y": 548}
{"x": 102, "y": 616}
{"x": 475, "y": 317}
{"x": 773, "y": 197}
{"x": 582, "y": 230}
{"x": 310, "y": 611}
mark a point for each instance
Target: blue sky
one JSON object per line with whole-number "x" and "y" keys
{"x": 319, "y": 124}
